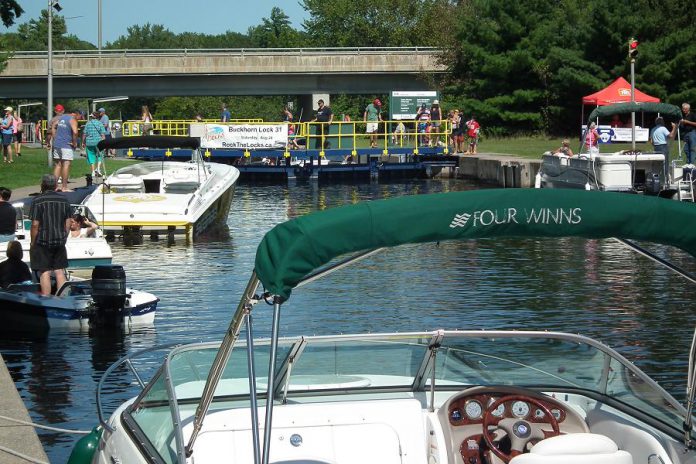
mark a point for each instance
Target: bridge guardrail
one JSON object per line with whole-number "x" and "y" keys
{"x": 229, "y": 51}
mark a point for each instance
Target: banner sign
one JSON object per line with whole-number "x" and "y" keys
{"x": 608, "y": 134}
{"x": 245, "y": 136}
{"x": 404, "y": 104}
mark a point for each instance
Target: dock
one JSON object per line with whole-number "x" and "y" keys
{"x": 19, "y": 438}
{"x": 507, "y": 171}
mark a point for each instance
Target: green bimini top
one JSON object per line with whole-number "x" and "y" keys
{"x": 625, "y": 108}
{"x": 294, "y": 249}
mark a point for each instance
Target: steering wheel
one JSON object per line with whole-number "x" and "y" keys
{"x": 520, "y": 431}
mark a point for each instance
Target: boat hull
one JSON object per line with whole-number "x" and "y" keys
{"x": 29, "y": 311}
{"x": 607, "y": 172}
{"x": 147, "y": 210}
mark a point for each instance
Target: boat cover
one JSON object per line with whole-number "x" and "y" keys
{"x": 626, "y": 108}
{"x": 293, "y": 249}
{"x": 150, "y": 141}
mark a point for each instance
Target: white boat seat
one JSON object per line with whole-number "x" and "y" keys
{"x": 126, "y": 183}
{"x": 575, "y": 448}
{"x": 177, "y": 181}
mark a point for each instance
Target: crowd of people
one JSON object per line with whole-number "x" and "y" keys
{"x": 427, "y": 127}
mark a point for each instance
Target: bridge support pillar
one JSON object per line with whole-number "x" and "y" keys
{"x": 308, "y": 104}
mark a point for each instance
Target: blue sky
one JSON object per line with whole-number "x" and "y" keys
{"x": 204, "y": 16}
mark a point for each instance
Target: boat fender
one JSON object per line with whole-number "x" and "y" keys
{"x": 587, "y": 186}
{"x": 537, "y": 180}
{"x": 84, "y": 449}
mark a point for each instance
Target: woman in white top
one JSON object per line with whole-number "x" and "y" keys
{"x": 81, "y": 227}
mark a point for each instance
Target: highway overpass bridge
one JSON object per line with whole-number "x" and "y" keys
{"x": 160, "y": 73}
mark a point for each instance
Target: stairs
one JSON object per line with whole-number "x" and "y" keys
{"x": 685, "y": 190}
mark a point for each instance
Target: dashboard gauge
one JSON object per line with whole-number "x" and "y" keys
{"x": 520, "y": 409}
{"x": 473, "y": 409}
{"x": 556, "y": 413}
{"x": 538, "y": 414}
{"x": 499, "y": 411}
{"x": 456, "y": 415}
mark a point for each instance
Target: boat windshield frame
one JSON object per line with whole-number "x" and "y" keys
{"x": 420, "y": 382}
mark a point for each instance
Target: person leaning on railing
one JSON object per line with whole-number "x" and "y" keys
{"x": 324, "y": 116}
{"x": 435, "y": 118}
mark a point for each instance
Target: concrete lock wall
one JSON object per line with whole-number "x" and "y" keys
{"x": 503, "y": 171}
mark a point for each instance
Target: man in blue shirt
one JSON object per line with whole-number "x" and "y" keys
{"x": 64, "y": 141}
{"x": 660, "y": 134}
{"x": 104, "y": 119}
{"x": 225, "y": 115}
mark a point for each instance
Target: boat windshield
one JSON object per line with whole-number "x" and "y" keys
{"x": 341, "y": 367}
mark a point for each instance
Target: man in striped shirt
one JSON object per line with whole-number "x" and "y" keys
{"x": 50, "y": 216}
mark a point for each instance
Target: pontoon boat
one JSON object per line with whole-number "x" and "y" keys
{"x": 445, "y": 396}
{"x": 619, "y": 171}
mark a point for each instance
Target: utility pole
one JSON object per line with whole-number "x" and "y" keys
{"x": 99, "y": 19}
{"x": 50, "y": 75}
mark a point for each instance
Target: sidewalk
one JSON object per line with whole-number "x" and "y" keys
{"x": 14, "y": 436}
{"x": 77, "y": 184}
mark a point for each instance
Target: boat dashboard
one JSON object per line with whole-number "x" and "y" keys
{"x": 494, "y": 424}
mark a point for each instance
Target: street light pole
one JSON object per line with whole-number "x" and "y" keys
{"x": 633, "y": 100}
{"x": 50, "y": 75}
{"x": 99, "y": 22}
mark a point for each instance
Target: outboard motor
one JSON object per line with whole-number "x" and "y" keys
{"x": 109, "y": 295}
{"x": 653, "y": 183}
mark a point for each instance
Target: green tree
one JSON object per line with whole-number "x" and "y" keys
{"x": 375, "y": 23}
{"x": 524, "y": 66}
{"x": 156, "y": 36}
{"x": 33, "y": 35}
{"x": 9, "y": 11}
{"x": 275, "y": 32}
{"x": 147, "y": 36}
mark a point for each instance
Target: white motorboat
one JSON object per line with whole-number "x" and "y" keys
{"x": 83, "y": 253}
{"x": 445, "y": 396}
{"x": 619, "y": 171}
{"x": 102, "y": 301}
{"x": 167, "y": 197}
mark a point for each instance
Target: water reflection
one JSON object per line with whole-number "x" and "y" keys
{"x": 592, "y": 287}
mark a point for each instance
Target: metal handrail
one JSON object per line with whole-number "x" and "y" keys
{"x": 464, "y": 334}
{"x": 349, "y": 132}
{"x": 127, "y": 361}
{"x": 229, "y": 51}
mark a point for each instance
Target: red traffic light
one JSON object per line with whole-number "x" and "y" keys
{"x": 632, "y": 49}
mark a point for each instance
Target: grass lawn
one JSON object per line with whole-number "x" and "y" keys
{"x": 28, "y": 169}
{"x": 533, "y": 147}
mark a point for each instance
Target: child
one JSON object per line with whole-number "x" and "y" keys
{"x": 473, "y": 129}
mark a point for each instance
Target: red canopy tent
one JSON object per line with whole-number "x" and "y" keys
{"x": 618, "y": 91}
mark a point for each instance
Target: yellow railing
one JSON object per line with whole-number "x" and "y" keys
{"x": 177, "y": 127}
{"x": 339, "y": 135}
{"x": 389, "y": 134}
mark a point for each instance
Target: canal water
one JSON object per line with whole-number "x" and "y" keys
{"x": 597, "y": 288}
